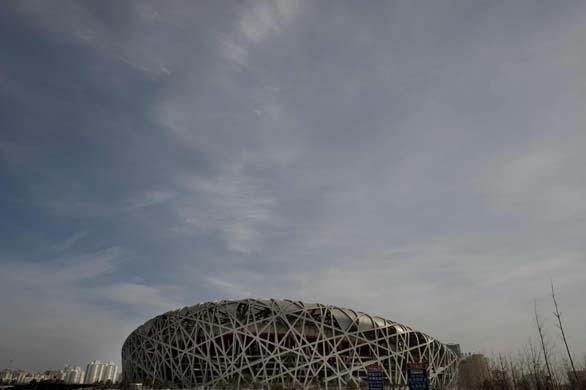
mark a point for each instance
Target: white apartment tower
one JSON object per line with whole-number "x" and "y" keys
{"x": 74, "y": 376}
{"x": 109, "y": 373}
{"x": 63, "y": 373}
{"x": 93, "y": 373}
{"x": 5, "y": 376}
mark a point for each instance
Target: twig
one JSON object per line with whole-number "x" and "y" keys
{"x": 545, "y": 354}
{"x": 558, "y": 315}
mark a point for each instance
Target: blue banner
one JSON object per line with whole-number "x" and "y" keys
{"x": 375, "y": 379}
{"x": 417, "y": 376}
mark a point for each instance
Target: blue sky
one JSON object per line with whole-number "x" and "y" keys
{"x": 422, "y": 161}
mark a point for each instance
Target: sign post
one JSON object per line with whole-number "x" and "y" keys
{"x": 417, "y": 378}
{"x": 375, "y": 378}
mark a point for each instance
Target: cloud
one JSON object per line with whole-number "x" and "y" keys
{"x": 419, "y": 162}
{"x": 51, "y": 314}
{"x": 236, "y": 206}
{"x": 233, "y": 51}
{"x": 539, "y": 270}
{"x": 69, "y": 243}
{"x": 150, "y": 198}
{"x": 229, "y": 289}
{"x": 63, "y": 271}
{"x": 543, "y": 182}
{"x": 155, "y": 298}
{"x": 61, "y": 313}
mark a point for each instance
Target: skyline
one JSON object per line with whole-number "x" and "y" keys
{"x": 420, "y": 162}
{"x": 96, "y": 371}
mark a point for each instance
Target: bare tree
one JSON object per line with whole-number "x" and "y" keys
{"x": 501, "y": 376}
{"x": 514, "y": 373}
{"x": 539, "y": 325}
{"x": 558, "y": 315}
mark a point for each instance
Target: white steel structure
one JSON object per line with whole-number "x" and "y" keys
{"x": 270, "y": 341}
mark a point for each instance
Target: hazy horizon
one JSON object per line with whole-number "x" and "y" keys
{"x": 421, "y": 161}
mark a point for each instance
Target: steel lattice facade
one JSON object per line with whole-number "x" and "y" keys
{"x": 242, "y": 342}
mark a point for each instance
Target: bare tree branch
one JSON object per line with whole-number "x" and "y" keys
{"x": 558, "y": 315}
{"x": 543, "y": 347}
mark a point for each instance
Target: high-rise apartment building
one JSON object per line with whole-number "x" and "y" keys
{"x": 109, "y": 372}
{"x": 68, "y": 374}
{"x": 74, "y": 375}
{"x": 5, "y": 376}
{"x": 93, "y": 372}
{"x": 21, "y": 377}
{"x": 63, "y": 373}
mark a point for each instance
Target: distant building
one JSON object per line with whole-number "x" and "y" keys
{"x": 74, "y": 375}
{"x": 63, "y": 373}
{"x": 39, "y": 377}
{"x": 109, "y": 372}
{"x": 5, "y": 376}
{"x": 472, "y": 371}
{"x": 455, "y": 348}
{"x": 21, "y": 377}
{"x": 93, "y": 372}
{"x": 54, "y": 375}
{"x": 98, "y": 371}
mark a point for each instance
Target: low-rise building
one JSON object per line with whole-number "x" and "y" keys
{"x": 472, "y": 370}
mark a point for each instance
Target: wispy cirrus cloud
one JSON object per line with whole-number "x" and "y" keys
{"x": 419, "y": 162}
{"x": 150, "y": 198}
{"x": 234, "y": 205}
{"x": 139, "y": 296}
{"x": 60, "y": 270}
{"x": 69, "y": 242}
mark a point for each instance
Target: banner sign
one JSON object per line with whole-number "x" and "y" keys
{"x": 375, "y": 378}
{"x": 417, "y": 376}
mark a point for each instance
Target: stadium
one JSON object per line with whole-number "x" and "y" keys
{"x": 243, "y": 343}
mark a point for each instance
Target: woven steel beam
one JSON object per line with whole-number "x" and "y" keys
{"x": 241, "y": 342}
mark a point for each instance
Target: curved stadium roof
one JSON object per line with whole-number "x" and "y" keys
{"x": 277, "y": 341}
